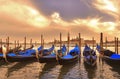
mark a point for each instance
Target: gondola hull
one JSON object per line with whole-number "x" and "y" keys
{"x": 90, "y": 63}
{"x": 107, "y": 56}
{"x": 21, "y": 59}
{"x": 71, "y": 57}
{"x": 68, "y": 61}
{"x": 111, "y": 61}
{"x": 47, "y": 59}
{"x": 1, "y": 58}
{"x": 50, "y": 58}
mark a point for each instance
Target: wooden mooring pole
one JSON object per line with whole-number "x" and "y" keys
{"x": 15, "y": 44}
{"x": 93, "y": 42}
{"x": 41, "y": 40}
{"x": 24, "y": 42}
{"x": 101, "y": 42}
{"x": 117, "y": 45}
{"x": 35, "y": 43}
{"x": 54, "y": 42}
{"x": 80, "y": 43}
{"x": 8, "y": 44}
{"x": 43, "y": 43}
{"x": 106, "y": 43}
{"x": 68, "y": 41}
{"x": 18, "y": 43}
{"x": 30, "y": 42}
{"x": 1, "y": 42}
{"x": 60, "y": 41}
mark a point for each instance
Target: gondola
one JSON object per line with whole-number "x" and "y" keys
{"x": 109, "y": 56}
{"x": 90, "y": 56}
{"x": 10, "y": 51}
{"x": 27, "y": 55}
{"x": 71, "y": 57}
{"x": 50, "y": 55}
{"x": 17, "y": 49}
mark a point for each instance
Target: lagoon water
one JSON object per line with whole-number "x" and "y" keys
{"x": 36, "y": 70}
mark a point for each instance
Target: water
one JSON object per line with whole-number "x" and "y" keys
{"x": 36, "y": 70}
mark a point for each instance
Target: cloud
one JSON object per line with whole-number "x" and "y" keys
{"x": 91, "y": 22}
{"x": 110, "y": 7}
{"x": 23, "y": 11}
{"x": 19, "y": 19}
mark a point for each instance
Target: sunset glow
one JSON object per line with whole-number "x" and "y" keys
{"x": 24, "y": 13}
{"x": 27, "y": 14}
{"x": 110, "y": 7}
{"x": 59, "y": 39}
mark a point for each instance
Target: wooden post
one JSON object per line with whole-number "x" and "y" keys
{"x": 60, "y": 41}
{"x": 106, "y": 43}
{"x": 117, "y": 45}
{"x": 1, "y": 42}
{"x": 68, "y": 41}
{"x": 18, "y": 43}
{"x": 7, "y": 44}
{"x": 35, "y": 43}
{"x": 41, "y": 40}
{"x": 15, "y": 44}
{"x": 30, "y": 42}
{"x": 80, "y": 43}
{"x": 93, "y": 42}
{"x": 101, "y": 42}
{"x": 54, "y": 42}
{"x": 24, "y": 43}
{"x": 43, "y": 43}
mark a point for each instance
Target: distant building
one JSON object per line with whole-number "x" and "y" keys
{"x": 90, "y": 42}
{"x": 76, "y": 41}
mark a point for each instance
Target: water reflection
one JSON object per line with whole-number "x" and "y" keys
{"x": 36, "y": 70}
{"x": 53, "y": 73}
{"x": 47, "y": 68}
{"x": 2, "y": 62}
{"x": 115, "y": 68}
{"x": 90, "y": 70}
{"x": 65, "y": 69}
{"x": 17, "y": 66}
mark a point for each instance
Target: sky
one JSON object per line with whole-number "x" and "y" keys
{"x": 31, "y": 18}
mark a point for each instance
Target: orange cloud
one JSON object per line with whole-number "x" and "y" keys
{"x": 110, "y": 7}
{"x": 23, "y": 11}
{"x": 93, "y": 23}
{"x": 19, "y": 18}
